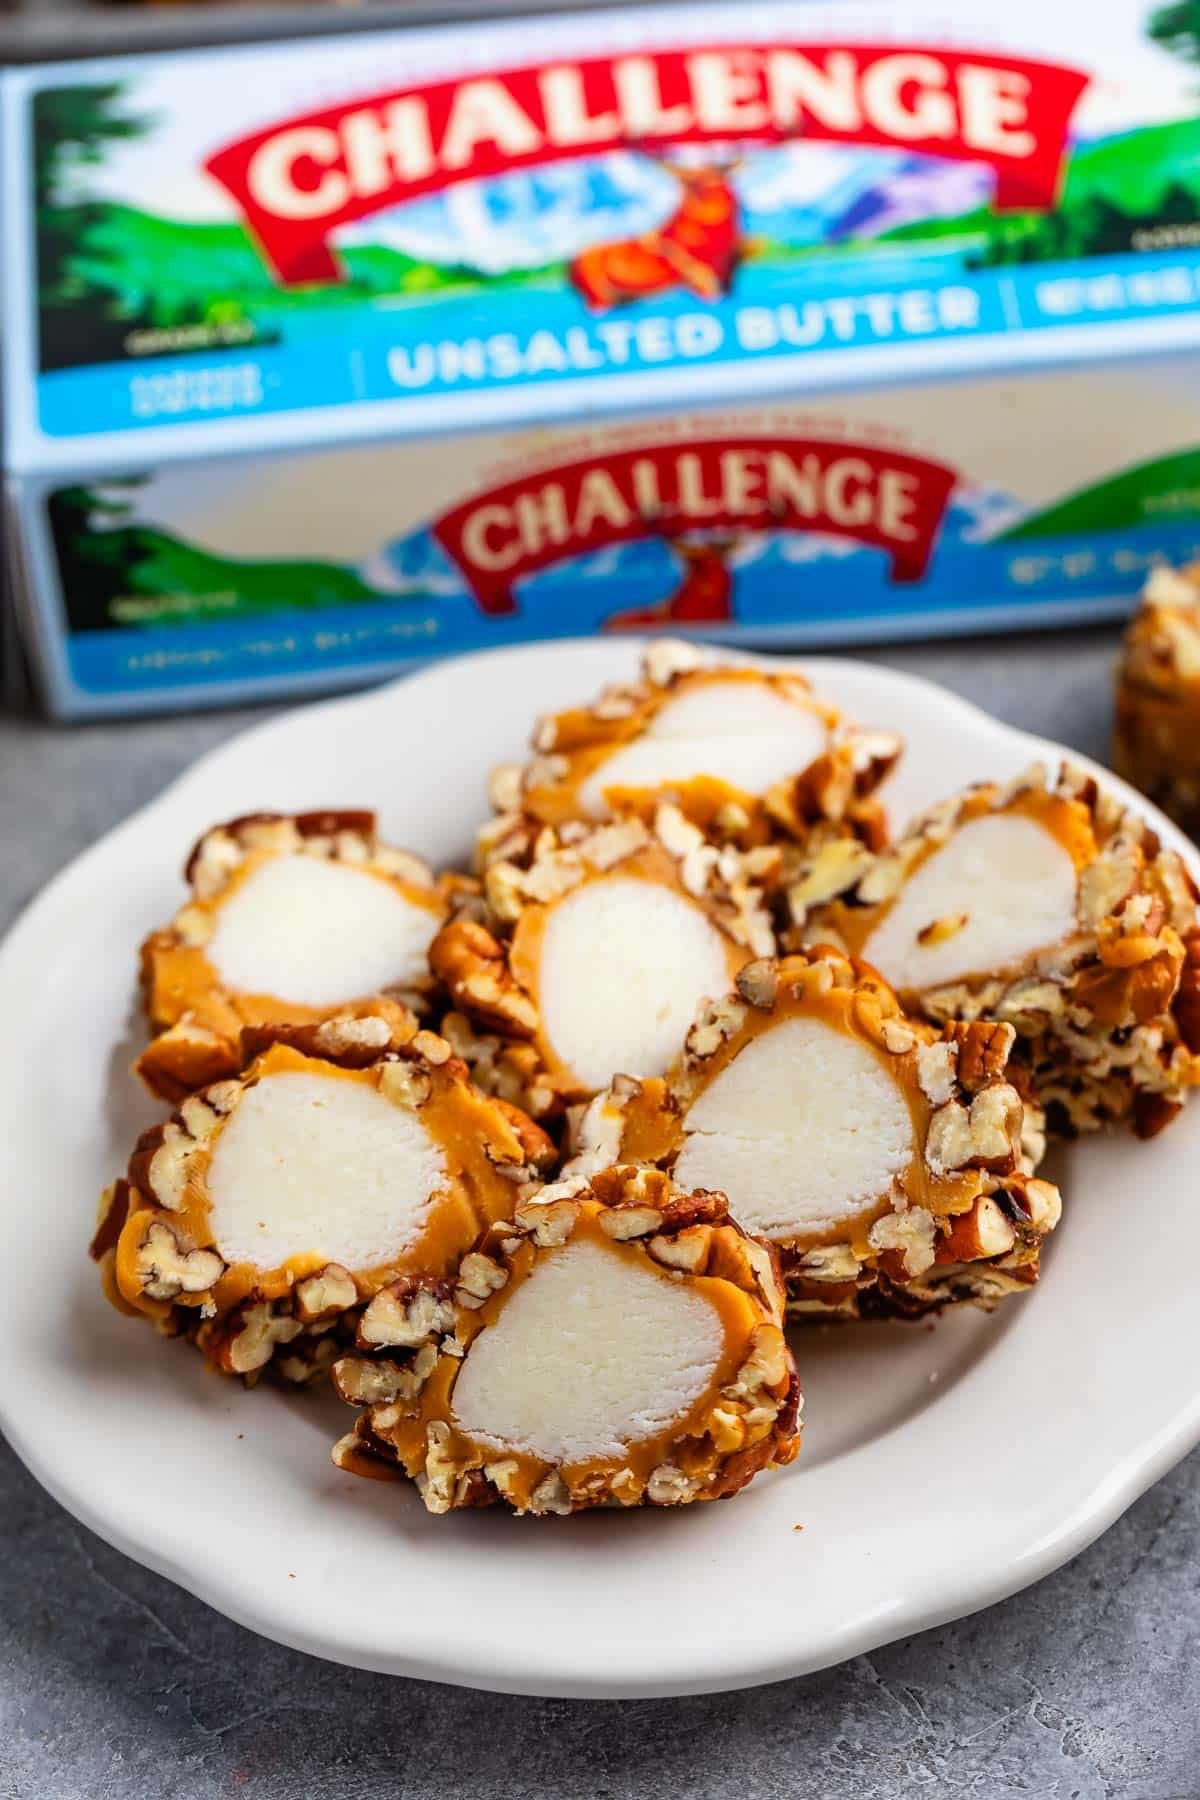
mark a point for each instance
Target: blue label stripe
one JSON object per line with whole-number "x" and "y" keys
{"x": 486, "y": 343}
{"x": 1039, "y": 578}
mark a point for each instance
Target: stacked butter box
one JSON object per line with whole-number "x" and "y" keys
{"x": 804, "y": 322}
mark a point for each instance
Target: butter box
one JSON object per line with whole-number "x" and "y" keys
{"x": 817, "y": 321}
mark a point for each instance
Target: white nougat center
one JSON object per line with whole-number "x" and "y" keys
{"x": 624, "y": 967}
{"x": 802, "y": 1130}
{"x": 590, "y": 1355}
{"x": 1006, "y": 878}
{"x": 318, "y": 933}
{"x": 743, "y": 732}
{"x": 316, "y": 1164}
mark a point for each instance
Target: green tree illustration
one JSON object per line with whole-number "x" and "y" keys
{"x": 97, "y": 550}
{"x": 1088, "y": 220}
{"x": 1177, "y": 28}
{"x": 1091, "y": 227}
{"x": 72, "y": 126}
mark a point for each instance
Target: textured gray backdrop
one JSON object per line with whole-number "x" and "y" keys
{"x": 114, "y": 1684}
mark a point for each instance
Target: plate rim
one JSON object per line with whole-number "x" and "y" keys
{"x": 1093, "y": 1513}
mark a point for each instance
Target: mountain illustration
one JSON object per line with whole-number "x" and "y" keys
{"x": 417, "y": 565}
{"x": 1113, "y": 185}
{"x": 526, "y": 220}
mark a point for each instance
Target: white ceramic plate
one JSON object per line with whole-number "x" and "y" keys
{"x": 942, "y": 1467}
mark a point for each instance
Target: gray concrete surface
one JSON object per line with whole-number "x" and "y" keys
{"x": 114, "y": 1684}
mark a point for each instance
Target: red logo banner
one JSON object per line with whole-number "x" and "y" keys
{"x": 862, "y": 491}
{"x": 298, "y": 180}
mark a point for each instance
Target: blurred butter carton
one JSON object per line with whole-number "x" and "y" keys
{"x": 813, "y": 321}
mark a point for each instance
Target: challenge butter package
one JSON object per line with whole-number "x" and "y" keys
{"x": 799, "y": 322}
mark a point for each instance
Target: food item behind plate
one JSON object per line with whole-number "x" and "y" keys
{"x": 616, "y": 1342}
{"x": 262, "y": 1217}
{"x": 888, "y": 1165}
{"x": 1046, "y": 905}
{"x": 748, "y": 754}
{"x": 291, "y": 918}
{"x": 1156, "y": 745}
